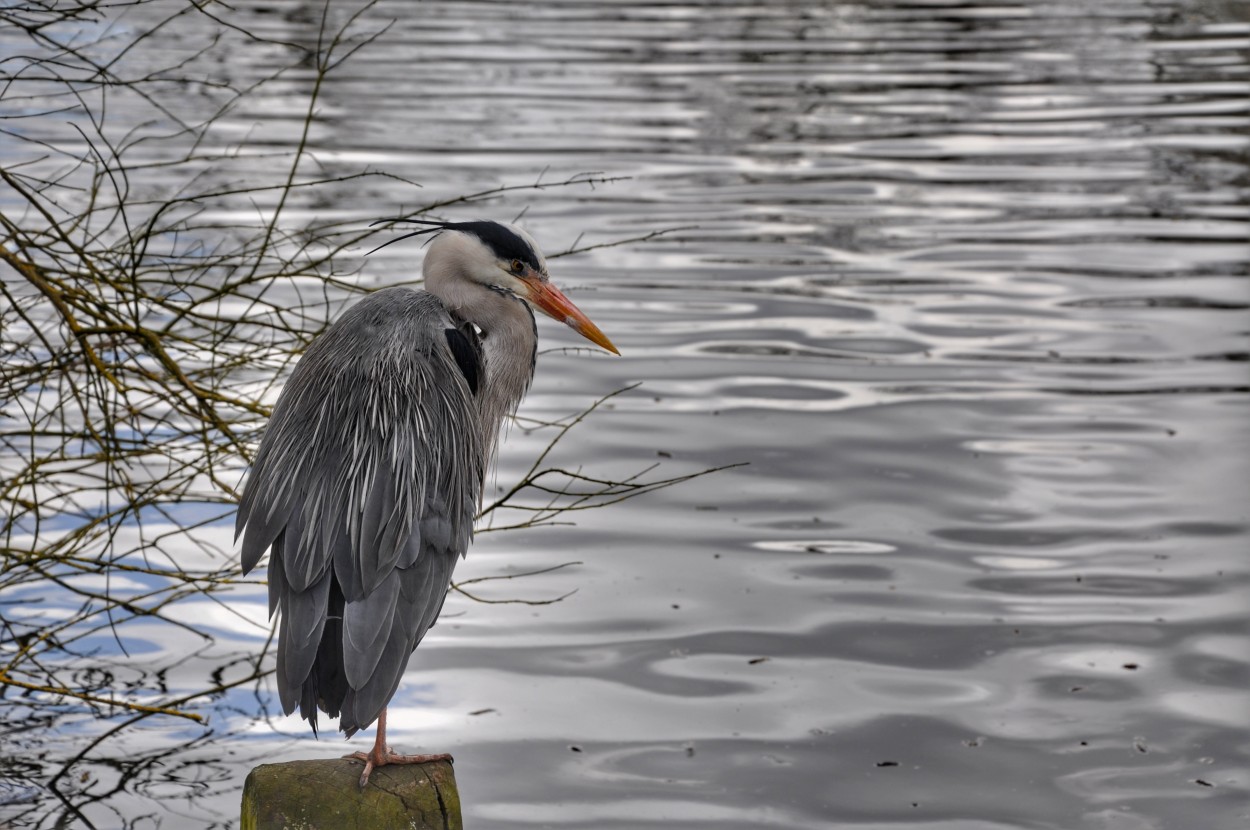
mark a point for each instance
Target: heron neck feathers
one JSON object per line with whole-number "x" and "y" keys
{"x": 509, "y": 339}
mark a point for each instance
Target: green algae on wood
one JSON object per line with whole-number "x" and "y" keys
{"x": 323, "y": 795}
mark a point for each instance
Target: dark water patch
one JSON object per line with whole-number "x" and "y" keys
{"x": 1003, "y": 537}
{"x": 888, "y": 769}
{"x": 929, "y": 647}
{"x": 1157, "y": 302}
{"x": 1100, "y": 689}
{"x": 1231, "y": 357}
{"x": 846, "y": 572}
{"x": 1231, "y": 389}
{"x": 1214, "y": 670}
{"x": 1110, "y": 585}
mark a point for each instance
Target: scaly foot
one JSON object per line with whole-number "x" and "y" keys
{"x": 374, "y": 759}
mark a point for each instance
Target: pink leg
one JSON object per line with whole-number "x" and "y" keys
{"x": 381, "y": 754}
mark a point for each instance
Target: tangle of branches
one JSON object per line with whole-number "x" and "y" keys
{"x": 158, "y": 277}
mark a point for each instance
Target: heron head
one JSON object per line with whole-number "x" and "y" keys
{"x": 503, "y": 257}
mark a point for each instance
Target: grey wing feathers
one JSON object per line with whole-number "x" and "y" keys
{"x": 365, "y": 487}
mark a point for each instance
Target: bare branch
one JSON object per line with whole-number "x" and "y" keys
{"x": 573, "y": 249}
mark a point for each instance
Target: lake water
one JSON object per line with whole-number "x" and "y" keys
{"x": 964, "y": 287}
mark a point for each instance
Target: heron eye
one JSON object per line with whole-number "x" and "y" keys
{"x": 517, "y": 266}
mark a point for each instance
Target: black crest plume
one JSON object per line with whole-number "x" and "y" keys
{"x": 502, "y": 241}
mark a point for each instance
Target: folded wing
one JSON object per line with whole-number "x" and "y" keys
{"x": 364, "y": 489}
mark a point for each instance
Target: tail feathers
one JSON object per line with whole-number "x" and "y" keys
{"x": 367, "y": 702}
{"x": 347, "y": 658}
{"x": 416, "y": 606}
{"x": 326, "y": 685}
{"x": 367, "y": 626}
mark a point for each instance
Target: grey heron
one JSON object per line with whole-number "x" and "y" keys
{"x": 371, "y": 468}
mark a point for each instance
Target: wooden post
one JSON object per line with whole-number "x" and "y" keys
{"x": 323, "y": 795}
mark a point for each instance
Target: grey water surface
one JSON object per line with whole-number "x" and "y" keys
{"x": 964, "y": 287}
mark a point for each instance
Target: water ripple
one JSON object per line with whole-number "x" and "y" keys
{"x": 964, "y": 287}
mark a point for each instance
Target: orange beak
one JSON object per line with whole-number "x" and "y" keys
{"x": 550, "y": 301}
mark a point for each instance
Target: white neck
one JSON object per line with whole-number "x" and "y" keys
{"x": 507, "y": 330}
